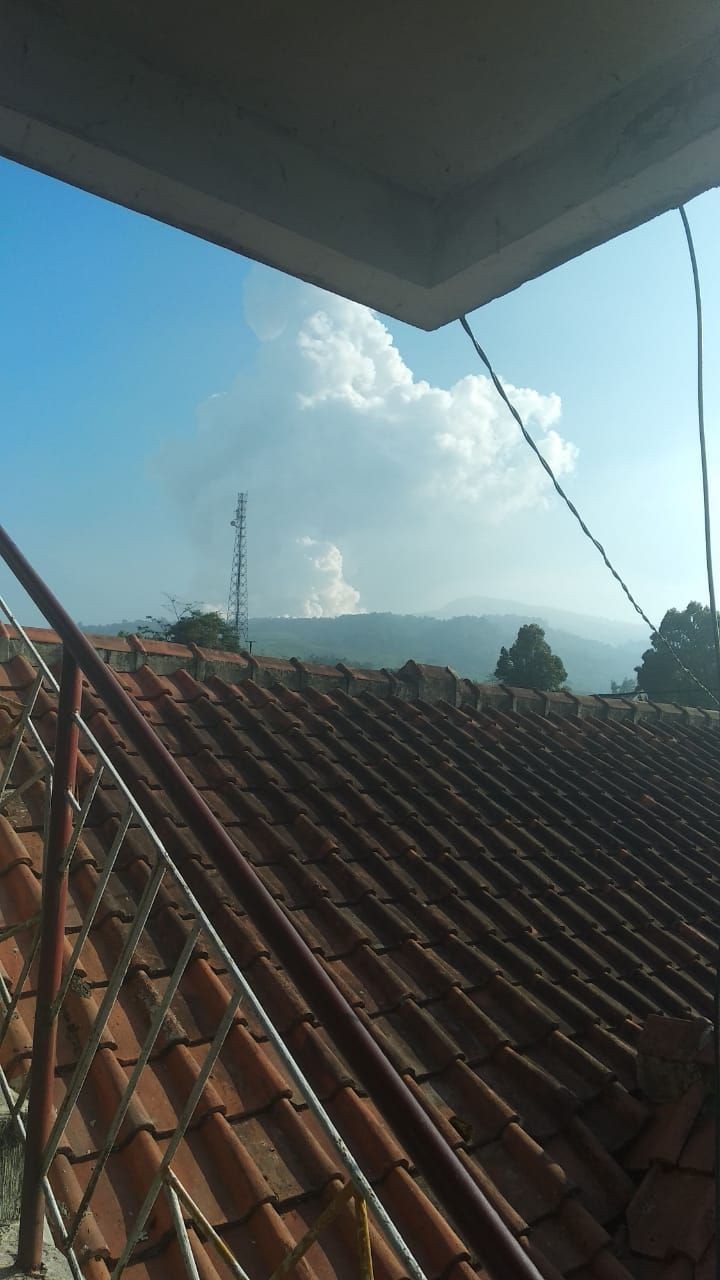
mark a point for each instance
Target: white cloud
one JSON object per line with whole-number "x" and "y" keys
{"x": 338, "y": 441}
{"x": 353, "y": 360}
{"x": 465, "y": 442}
{"x": 331, "y": 594}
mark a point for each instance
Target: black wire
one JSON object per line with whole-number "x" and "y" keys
{"x": 655, "y": 631}
{"x": 716, "y": 639}
{"x": 573, "y": 509}
{"x": 703, "y": 450}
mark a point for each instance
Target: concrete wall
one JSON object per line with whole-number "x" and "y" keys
{"x": 414, "y": 681}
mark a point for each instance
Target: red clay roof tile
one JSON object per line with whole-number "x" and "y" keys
{"x": 506, "y": 895}
{"x": 664, "y": 1139}
{"x": 671, "y": 1212}
{"x": 698, "y": 1153}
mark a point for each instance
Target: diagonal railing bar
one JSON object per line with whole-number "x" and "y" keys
{"x": 10, "y": 1101}
{"x": 291, "y": 1066}
{"x": 68, "y": 1235}
{"x": 21, "y": 1094}
{"x": 134, "y": 1079}
{"x": 50, "y": 961}
{"x": 328, "y": 1215}
{"x": 40, "y": 774}
{"x": 118, "y": 977}
{"x": 181, "y": 1232}
{"x": 12, "y": 1002}
{"x": 50, "y": 1197}
{"x": 39, "y": 660}
{"x": 206, "y": 1226}
{"x": 37, "y": 739}
{"x": 184, "y": 1119}
{"x": 83, "y": 812}
{"x": 23, "y": 975}
{"x": 92, "y": 910}
{"x": 25, "y": 715}
{"x": 15, "y": 1100}
{"x": 465, "y": 1203}
{"x": 12, "y": 930}
{"x": 383, "y": 1219}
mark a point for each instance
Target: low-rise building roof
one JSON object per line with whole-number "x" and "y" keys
{"x": 509, "y": 887}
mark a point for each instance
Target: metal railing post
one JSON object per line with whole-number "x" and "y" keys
{"x": 54, "y": 899}
{"x": 465, "y": 1203}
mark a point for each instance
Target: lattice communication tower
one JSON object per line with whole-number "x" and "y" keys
{"x": 237, "y": 610}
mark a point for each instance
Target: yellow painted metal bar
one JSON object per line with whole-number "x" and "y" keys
{"x": 362, "y": 1236}
{"x": 206, "y": 1227}
{"x": 328, "y": 1215}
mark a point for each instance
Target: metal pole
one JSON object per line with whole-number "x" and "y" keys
{"x": 54, "y": 893}
{"x": 181, "y": 1232}
{"x": 205, "y": 1226}
{"x": 362, "y": 1237}
{"x": 455, "y": 1188}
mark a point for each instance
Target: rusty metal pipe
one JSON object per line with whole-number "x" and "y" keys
{"x": 478, "y": 1222}
{"x": 52, "y": 938}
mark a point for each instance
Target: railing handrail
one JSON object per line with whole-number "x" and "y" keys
{"x": 135, "y": 812}
{"x": 464, "y": 1202}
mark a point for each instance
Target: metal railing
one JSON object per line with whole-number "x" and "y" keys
{"x": 43, "y": 1134}
{"x": 63, "y": 823}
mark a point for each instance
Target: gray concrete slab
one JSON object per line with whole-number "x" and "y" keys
{"x": 421, "y": 158}
{"x": 55, "y": 1265}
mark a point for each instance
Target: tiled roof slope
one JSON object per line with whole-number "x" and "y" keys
{"x": 505, "y": 895}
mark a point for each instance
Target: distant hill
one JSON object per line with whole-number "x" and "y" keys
{"x": 586, "y": 625}
{"x": 469, "y": 644}
{"x": 128, "y": 626}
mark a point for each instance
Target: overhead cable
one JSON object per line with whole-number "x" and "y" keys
{"x": 703, "y": 450}
{"x": 716, "y": 641}
{"x": 574, "y": 511}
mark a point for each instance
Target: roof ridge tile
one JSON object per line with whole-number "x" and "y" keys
{"x": 414, "y": 680}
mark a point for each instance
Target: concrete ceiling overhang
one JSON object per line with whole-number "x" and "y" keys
{"x": 420, "y": 157}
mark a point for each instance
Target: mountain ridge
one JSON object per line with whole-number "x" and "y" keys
{"x": 468, "y": 643}
{"x": 591, "y": 626}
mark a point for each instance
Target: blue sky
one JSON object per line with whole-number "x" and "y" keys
{"x": 146, "y": 375}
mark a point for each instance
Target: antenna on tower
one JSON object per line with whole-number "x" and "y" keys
{"x": 237, "y": 610}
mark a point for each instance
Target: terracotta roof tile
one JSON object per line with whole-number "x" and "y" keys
{"x": 664, "y": 1140}
{"x": 508, "y": 896}
{"x": 572, "y": 1238}
{"x": 671, "y": 1212}
{"x": 603, "y": 1187}
{"x": 698, "y": 1153}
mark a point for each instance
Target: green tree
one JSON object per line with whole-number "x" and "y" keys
{"x": 690, "y": 633}
{"x": 627, "y": 685}
{"x": 191, "y": 624}
{"x": 530, "y": 662}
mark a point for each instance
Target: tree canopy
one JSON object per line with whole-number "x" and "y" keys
{"x": 628, "y": 685}
{"x": 530, "y": 662}
{"x": 191, "y": 624}
{"x": 690, "y": 633}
